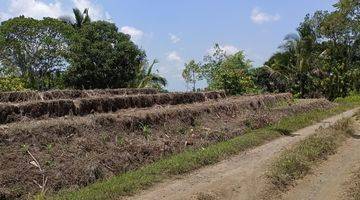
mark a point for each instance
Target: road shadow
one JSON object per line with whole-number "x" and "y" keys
{"x": 285, "y": 132}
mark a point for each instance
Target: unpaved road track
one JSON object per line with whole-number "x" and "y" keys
{"x": 241, "y": 177}
{"x": 329, "y": 180}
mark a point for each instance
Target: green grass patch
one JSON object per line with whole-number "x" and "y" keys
{"x": 297, "y": 162}
{"x": 130, "y": 182}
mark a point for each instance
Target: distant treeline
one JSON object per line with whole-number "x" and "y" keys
{"x": 321, "y": 59}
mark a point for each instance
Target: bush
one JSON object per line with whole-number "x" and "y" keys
{"x": 11, "y": 84}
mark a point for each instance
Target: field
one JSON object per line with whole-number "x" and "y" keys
{"x": 66, "y": 140}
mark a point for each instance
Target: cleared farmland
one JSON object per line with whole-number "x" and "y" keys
{"x": 102, "y": 136}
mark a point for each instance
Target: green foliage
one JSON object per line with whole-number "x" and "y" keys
{"x": 146, "y": 78}
{"x": 192, "y": 73}
{"x": 102, "y": 57}
{"x": 322, "y": 59}
{"x": 36, "y": 49}
{"x": 231, "y": 73}
{"x": 146, "y": 130}
{"x": 11, "y": 84}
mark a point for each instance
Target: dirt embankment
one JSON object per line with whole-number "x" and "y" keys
{"x": 58, "y": 108}
{"x": 76, "y": 151}
{"x": 16, "y": 97}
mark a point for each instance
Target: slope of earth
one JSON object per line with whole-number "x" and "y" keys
{"x": 74, "y": 151}
{"x": 241, "y": 177}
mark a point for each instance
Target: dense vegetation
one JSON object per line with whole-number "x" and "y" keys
{"x": 70, "y": 52}
{"x": 321, "y": 59}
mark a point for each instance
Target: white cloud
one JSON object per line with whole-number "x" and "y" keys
{"x": 174, "y": 39}
{"x": 135, "y": 33}
{"x": 174, "y": 56}
{"x": 229, "y": 50}
{"x": 259, "y": 17}
{"x": 33, "y": 8}
{"x": 56, "y": 8}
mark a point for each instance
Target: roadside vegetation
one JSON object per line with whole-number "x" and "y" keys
{"x": 354, "y": 183}
{"x": 130, "y": 182}
{"x": 296, "y": 162}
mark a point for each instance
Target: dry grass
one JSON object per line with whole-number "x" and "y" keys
{"x": 298, "y": 161}
{"x": 84, "y": 106}
{"x": 23, "y": 96}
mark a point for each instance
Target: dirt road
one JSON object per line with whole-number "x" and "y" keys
{"x": 241, "y": 177}
{"x": 329, "y": 180}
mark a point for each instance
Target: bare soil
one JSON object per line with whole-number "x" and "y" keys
{"x": 243, "y": 176}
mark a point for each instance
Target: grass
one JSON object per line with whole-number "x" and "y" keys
{"x": 297, "y": 162}
{"x": 130, "y": 182}
{"x": 354, "y": 189}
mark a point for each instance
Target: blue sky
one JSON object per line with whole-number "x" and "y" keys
{"x": 175, "y": 31}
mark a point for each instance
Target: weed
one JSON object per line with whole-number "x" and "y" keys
{"x": 182, "y": 130}
{"x": 49, "y": 147}
{"x": 146, "y": 130}
{"x": 104, "y": 137}
{"x": 119, "y": 140}
{"x": 24, "y": 148}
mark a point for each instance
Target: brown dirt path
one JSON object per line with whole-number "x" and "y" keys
{"x": 329, "y": 180}
{"x": 241, "y": 177}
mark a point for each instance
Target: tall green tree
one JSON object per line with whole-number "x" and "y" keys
{"x": 192, "y": 73}
{"x": 34, "y": 49}
{"x": 102, "y": 57}
{"x": 228, "y": 72}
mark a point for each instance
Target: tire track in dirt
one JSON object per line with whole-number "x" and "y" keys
{"x": 241, "y": 177}
{"x": 329, "y": 180}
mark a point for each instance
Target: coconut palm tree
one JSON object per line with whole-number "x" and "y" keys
{"x": 145, "y": 78}
{"x": 80, "y": 18}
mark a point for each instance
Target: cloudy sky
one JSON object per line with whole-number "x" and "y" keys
{"x": 175, "y": 31}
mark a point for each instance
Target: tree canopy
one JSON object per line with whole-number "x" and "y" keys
{"x": 102, "y": 57}
{"x": 34, "y": 50}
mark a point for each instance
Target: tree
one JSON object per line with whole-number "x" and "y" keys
{"x": 228, "y": 72}
{"x": 192, "y": 73}
{"x": 35, "y": 49}
{"x": 102, "y": 57}
{"x": 145, "y": 78}
{"x": 324, "y": 58}
{"x": 234, "y": 75}
{"x": 80, "y": 18}
{"x": 212, "y": 63}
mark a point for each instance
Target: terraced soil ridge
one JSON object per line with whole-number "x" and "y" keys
{"x": 11, "y": 112}
{"x": 77, "y": 151}
{"x": 23, "y": 96}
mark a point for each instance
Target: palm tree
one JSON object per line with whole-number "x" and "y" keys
{"x": 80, "y": 18}
{"x": 145, "y": 78}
